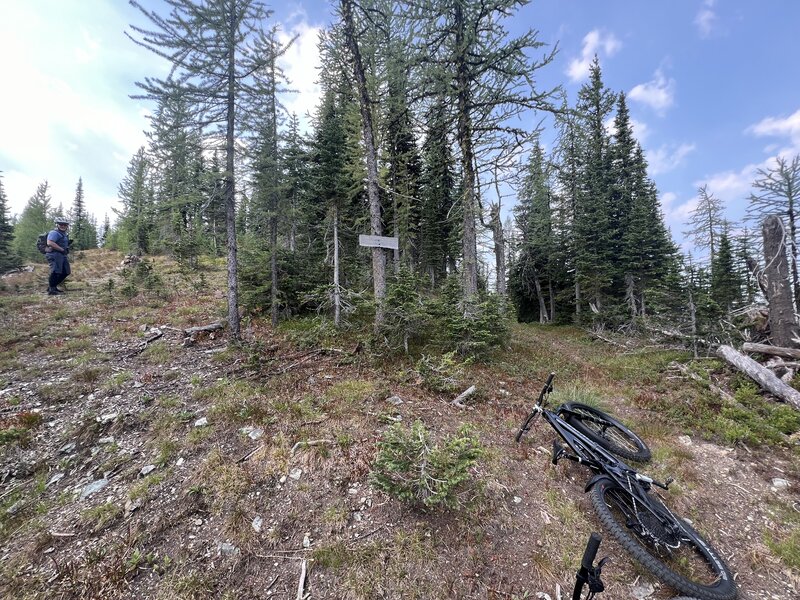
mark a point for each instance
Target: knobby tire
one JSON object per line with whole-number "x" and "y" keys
{"x": 607, "y": 431}
{"x": 703, "y": 575}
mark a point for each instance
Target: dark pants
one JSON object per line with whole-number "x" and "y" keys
{"x": 59, "y": 268}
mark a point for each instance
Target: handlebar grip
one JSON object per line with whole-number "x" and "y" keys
{"x": 591, "y": 550}
{"x": 550, "y": 380}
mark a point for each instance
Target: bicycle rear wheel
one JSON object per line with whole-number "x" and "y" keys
{"x": 605, "y": 430}
{"x": 663, "y": 544}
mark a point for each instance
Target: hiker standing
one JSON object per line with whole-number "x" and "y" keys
{"x": 57, "y": 250}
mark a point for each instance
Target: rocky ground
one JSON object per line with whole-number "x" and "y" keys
{"x": 138, "y": 463}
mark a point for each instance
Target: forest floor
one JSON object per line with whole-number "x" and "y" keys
{"x": 135, "y": 465}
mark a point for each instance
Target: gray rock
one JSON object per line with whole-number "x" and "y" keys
{"x": 67, "y": 448}
{"x": 642, "y": 591}
{"x": 295, "y": 474}
{"x": 106, "y": 440}
{"x": 146, "y": 470}
{"x": 780, "y": 484}
{"x": 201, "y": 422}
{"x": 396, "y": 400}
{"x": 256, "y": 434}
{"x": 54, "y": 479}
{"x": 228, "y": 549}
{"x": 257, "y": 524}
{"x": 132, "y": 505}
{"x": 93, "y": 487}
{"x": 108, "y": 417}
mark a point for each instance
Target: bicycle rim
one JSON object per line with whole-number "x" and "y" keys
{"x": 663, "y": 544}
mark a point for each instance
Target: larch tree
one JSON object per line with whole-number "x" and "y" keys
{"x": 490, "y": 78}
{"x": 705, "y": 222}
{"x": 351, "y": 36}
{"x": 208, "y": 46}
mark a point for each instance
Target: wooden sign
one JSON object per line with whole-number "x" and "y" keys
{"x": 377, "y": 241}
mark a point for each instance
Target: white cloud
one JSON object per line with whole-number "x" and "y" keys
{"x": 658, "y": 93}
{"x": 704, "y": 21}
{"x": 667, "y": 157}
{"x": 301, "y": 63}
{"x": 640, "y": 130}
{"x": 595, "y": 42}
{"x": 780, "y": 127}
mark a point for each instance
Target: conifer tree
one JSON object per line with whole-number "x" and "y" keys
{"x": 533, "y": 213}
{"x": 213, "y": 65}
{"x": 135, "y": 224}
{"x": 706, "y": 222}
{"x": 439, "y": 223}
{"x": 36, "y": 218}
{"x": 490, "y": 79}
{"x": 8, "y": 257}
{"x": 104, "y": 232}
{"x": 726, "y": 287}
{"x": 593, "y": 226}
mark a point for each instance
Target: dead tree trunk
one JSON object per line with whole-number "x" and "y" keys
{"x": 783, "y": 328}
{"x": 761, "y": 375}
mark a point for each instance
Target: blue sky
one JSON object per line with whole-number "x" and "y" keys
{"x": 712, "y": 88}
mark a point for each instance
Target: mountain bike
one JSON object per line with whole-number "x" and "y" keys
{"x": 626, "y": 501}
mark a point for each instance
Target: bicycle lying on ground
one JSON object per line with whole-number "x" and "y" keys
{"x": 660, "y": 541}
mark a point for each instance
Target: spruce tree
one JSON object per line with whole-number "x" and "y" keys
{"x": 726, "y": 287}
{"x": 36, "y": 218}
{"x": 438, "y": 226}
{"x": 8, "y": 257}
{"x": 593, "y": 226}
{"x": 136, "y": 218}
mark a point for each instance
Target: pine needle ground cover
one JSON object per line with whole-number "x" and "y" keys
{"x": 145, "y": 467}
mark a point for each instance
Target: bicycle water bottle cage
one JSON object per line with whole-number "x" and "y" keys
{"x": 558, "y": 452}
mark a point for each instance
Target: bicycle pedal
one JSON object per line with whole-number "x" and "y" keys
{"x": 558, "y": 452}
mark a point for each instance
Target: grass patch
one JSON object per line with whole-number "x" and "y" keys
{"x": 785, "y": 541}
{"x": 102, "y": 516}
{"x": 144, "y": 488}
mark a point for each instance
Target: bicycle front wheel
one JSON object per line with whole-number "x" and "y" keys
{"x": 605, "y": 430}
{"x": 662, "y": 543}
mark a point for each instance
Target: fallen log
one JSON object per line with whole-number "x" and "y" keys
{"x": 761, "y": 375}
{"x": 191, "y": 333}
{"x": 459, "y": 401}
{"x": 771, "y": 350}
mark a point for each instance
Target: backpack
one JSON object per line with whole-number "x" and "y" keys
{"x": 41, "y": 243}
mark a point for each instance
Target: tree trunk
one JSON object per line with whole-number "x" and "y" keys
{"x": 793, "y": 247}
{"x": 230, "y": 188}
{"x": 761, "y": 375}
{"x": 464, "y": 133}
{"x": 771, "y": 350}
{"x": 552, "y": 300}
{"x": 540, "y": 295}
{"x": 783, "y": 328}
{"x": 365, "y": 105}
{"x": 274, "y": 200}
{"x": 499, "y": 250}
{"x": 337, "y": 297}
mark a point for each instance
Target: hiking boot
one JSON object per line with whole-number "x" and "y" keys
{"x": 54, "y": 291}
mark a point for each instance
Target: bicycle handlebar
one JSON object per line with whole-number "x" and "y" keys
{"x": 591, "y": 551}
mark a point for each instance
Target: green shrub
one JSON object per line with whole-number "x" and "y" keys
{"x": 411, "y": 468}
{"x": 442, "y": 374}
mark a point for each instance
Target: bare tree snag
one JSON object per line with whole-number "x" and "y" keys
{"x": 761, "y": 375}
{"x": 783, "y": 327}
{"x": 771, "y": 350}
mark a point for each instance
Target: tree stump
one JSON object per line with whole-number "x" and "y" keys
{"x": 783, "y": 327}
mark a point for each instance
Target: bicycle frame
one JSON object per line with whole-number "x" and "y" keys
{"x": 600, "y": 461}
